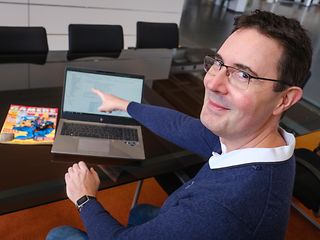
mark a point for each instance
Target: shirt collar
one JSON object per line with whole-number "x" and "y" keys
{"x": 253, "y": 155}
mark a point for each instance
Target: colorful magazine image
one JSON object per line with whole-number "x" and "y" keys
{"x": 29, "y": 125}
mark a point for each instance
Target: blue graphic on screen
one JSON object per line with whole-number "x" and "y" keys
{"x": 79, "y": 98}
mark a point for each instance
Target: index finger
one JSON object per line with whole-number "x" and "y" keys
{"x": 98, "y": 92}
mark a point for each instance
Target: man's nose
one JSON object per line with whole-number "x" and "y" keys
{"x": 217, "y": 82}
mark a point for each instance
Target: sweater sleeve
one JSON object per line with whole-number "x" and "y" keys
{"x": 189, "y": 218}
{"x": 97, "y": 221}
{"x": 181, "y": 129}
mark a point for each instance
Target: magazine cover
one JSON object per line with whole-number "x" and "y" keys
{"x": 29, "y": 125}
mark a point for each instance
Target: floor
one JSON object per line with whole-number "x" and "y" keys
{"x": 117, "y": 201}
{"x": 206, "y": 24}
{"x": 35, "y": 223}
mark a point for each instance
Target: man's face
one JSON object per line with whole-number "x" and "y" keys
{"x": 234, "y": 113}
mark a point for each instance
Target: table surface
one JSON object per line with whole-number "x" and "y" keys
{"x": 32, "y": 176}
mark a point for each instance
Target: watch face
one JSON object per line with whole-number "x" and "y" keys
{"x": 82, "y": 200}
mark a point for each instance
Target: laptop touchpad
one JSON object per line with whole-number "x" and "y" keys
{"x": 93, "y": 145}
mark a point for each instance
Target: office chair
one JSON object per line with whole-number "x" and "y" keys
{"x": 307, "y": 182}
{"x": 23, "y": 40}
{"x": 157, "y": 35}
{"x": 95, "y": 40}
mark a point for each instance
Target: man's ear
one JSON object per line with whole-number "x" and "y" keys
{"x": 288, "y": 98}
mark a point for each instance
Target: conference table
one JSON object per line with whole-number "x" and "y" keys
{"x": 30, "y": 175}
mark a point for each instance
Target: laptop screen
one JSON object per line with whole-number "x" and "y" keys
{"x": 78, "y": 97}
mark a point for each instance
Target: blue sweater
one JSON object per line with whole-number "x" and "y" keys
{"x": 250, "y": 201}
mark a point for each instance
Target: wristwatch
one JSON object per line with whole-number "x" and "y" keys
{"x": 82, "y": 201}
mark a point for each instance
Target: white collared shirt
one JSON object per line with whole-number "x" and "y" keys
{"x": 253, "y": 155}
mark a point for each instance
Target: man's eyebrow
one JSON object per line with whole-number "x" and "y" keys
{"x": 240, "y": 66}
{"x": 245, "y": 68}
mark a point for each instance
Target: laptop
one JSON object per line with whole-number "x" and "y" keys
{"x": 83, "y": 130}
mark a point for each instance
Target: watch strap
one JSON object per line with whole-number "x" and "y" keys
{"x": 82, "y": 201}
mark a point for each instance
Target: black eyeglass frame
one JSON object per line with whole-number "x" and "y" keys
{"x": 249, "y": 75}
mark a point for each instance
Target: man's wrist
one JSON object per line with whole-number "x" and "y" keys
{"x": 124, "y": 105}
{"x": 83, "y": 201}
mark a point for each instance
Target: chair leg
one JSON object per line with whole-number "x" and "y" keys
{"x": 137, "y": 193}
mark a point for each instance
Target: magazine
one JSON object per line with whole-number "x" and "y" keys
{"x": 29, "y": 125}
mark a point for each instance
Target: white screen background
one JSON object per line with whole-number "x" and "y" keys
{"x": 78, "y": 96}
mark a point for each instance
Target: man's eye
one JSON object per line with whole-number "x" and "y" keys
{"x": 207, "y": 66}
{"x": 243, "y": 75}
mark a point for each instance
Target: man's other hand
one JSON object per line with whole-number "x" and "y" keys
{"x": 81, "y": 181}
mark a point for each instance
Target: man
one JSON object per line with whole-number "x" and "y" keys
{"x": 244, "y": 191}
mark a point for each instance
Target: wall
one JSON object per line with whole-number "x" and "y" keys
{"x": 56, "y": 15}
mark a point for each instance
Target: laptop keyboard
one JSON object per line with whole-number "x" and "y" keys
{"x": 106, "y": 132}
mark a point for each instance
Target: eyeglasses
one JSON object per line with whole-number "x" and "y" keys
{"x": 237, "y": 78}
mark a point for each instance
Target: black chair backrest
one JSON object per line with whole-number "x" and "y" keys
{"x": 157, "y": 35}
{"x": 89, "y": 38}
{"x": 307, "y": 179}
{"x": 23, "y": 40}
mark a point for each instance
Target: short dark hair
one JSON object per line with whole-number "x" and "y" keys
{"x": 295, "y": 62}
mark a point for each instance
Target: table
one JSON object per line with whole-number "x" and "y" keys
{"x": 30, "y": 175}
{"x": 40, "y": 71}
